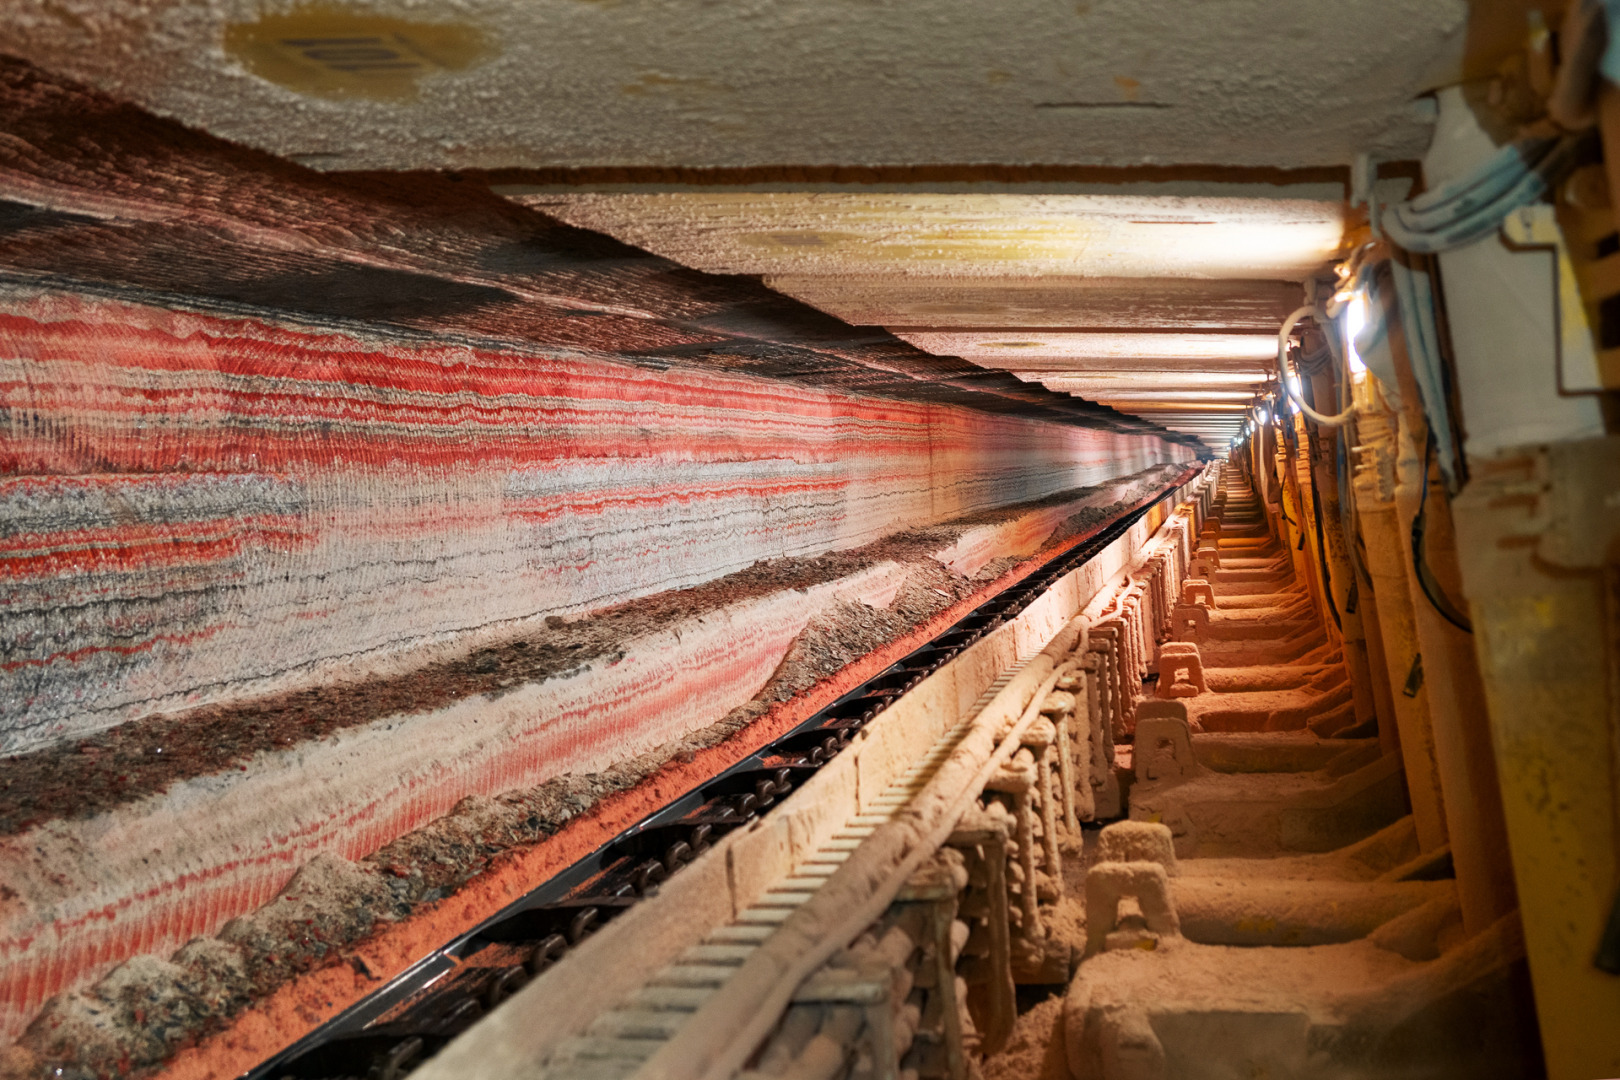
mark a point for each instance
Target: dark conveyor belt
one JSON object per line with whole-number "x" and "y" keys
{"x": 395, "y": 1029}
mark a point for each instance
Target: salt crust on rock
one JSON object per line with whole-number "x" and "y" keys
{"x": 212, "y": 978}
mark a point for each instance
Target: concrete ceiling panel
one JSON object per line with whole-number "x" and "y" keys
{"x": 1048, "y": 302}
{"x": 1103, "y": 382}
{"x": 496, "y": 83}
{"x": 1144, "y": 398}
{"x": 1083, "y": 350}
{"x": 967, "y": 235}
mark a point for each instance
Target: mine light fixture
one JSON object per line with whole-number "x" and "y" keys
{"x": 1355, "y": 320}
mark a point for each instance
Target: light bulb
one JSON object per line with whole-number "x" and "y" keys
{"x": 1355, "y": 320}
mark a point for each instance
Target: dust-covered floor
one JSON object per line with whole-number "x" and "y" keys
{"x": 1035, "y": 1049}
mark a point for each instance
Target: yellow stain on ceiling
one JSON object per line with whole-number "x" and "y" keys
{"x": 1162, "y": 407}
{"x": 1017, "y": 304}
{"x": 1089, "y": 345}
{"x": 329, "y": 51}
{"x": 980, "y": 235}
{"x": 1146, "y": 393}
{"x": 1172, "y": 378}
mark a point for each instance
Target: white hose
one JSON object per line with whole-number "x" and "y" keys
{"x": 1283, "y": 377}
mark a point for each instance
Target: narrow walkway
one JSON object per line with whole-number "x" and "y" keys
{"x": 1267, "y": 910}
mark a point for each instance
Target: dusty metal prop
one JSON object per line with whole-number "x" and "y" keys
{"x": 418, "y": 1013}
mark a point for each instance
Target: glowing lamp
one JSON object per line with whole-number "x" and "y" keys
{"x": 1355, "y": 320}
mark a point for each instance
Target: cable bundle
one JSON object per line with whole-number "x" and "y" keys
{"x": 1472, "y": 207}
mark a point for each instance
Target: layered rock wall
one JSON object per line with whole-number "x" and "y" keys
{"x": 198, "y": 507}
{"x": 201, "y": 508}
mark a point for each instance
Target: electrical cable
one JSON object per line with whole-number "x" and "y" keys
{"x": 1284, "y": 442}
{"x": 1282, "y": 508}
{"x": 1350, "y": 275}
{"x": 1353, "y": 276}
{"x": 1475, "y": 190}
{"x": 1345, "y": 400}
{"x": 1416, "y": 299}
{"x": 1290, "y": 441}
{"x": 1473, "y": 206}
{"x": 1321, "y": 549}
{"x": 1431, "y": 588}
{"x": 1342, "y": 439}
{"x": 1287, "y": 380}
{"x": 1258, "y": 443}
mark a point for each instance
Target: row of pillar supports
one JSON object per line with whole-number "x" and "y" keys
{"x": 1487, "y": 653}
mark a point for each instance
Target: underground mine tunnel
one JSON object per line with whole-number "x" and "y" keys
{"x": 789, "y": 540}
